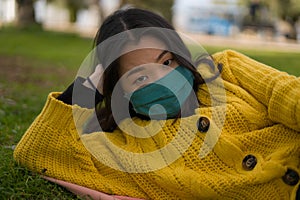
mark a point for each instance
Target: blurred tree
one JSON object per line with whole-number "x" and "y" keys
{"x": 75, "y": 5}
{"x": 258, "y": 18}
{"x": 25, "y": 13}
{"x": 287, "y": 10}
{"x": 72, "y": 5}
{"x": 163, "y": 8}
{"x": 254, "y": 8}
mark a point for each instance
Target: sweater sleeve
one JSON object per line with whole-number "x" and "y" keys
{"x": 52, "y": 146}
{"x": 80, "y": 97}
{"x": 52, "y": 138}
{"x": 278, "y": 91}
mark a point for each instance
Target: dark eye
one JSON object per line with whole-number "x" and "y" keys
{"x": 140, "y": 79}
{"x": 168, "y": 62}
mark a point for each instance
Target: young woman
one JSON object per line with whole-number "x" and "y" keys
{"x": 151, "y": 122}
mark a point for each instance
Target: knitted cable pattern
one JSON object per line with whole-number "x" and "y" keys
{"x": 262, "y": 120}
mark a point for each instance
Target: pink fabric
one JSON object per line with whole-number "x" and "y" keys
{"x": 86, "y": 192}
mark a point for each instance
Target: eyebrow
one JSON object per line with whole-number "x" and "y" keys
{"x": 133, "y": 71}
{"x": 161, "y": 55}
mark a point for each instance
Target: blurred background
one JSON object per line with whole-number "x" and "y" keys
{"x": 275, "y": 20}
{"x": 44, "y": 42}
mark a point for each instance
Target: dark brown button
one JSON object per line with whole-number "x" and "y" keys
{"x": 291, "y": 177}
{"x": 249, "y": 162}
{"x": 203, "y": 124}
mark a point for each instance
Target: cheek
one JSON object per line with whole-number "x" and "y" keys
{"x": 125, "y": 85}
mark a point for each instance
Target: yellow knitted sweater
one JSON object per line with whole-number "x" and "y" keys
{"x": 256, "y": 155}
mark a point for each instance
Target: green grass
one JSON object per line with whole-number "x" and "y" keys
{"x": 18, "y": 183}
{"x": 33, "y": 63}
{"x": 67, "y": 50}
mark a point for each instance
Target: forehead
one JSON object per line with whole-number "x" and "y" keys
{"x": 142, "y": 52}
{"x": 145, "y": 42}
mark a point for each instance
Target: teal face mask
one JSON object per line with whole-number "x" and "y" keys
{"x": 163, "y": 98}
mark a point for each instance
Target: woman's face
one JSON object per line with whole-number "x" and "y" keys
{"x": 145, "y": 62}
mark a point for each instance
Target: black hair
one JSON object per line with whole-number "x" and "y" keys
{"x": 118, "y": 23}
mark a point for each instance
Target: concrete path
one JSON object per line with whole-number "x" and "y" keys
{"x": 247, "y": 42}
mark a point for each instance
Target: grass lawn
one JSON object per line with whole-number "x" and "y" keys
{"x": 33, "y": 63}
